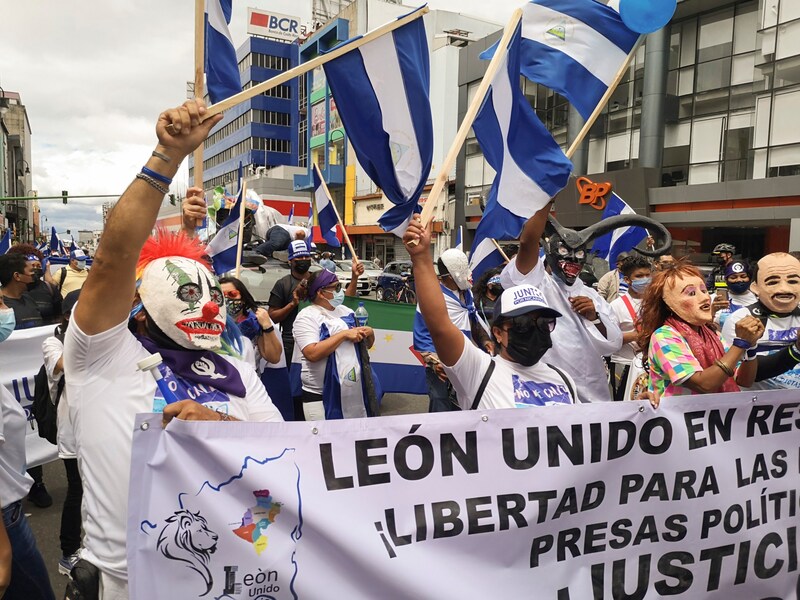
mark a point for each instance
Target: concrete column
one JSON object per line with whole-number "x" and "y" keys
{"x": 651, "y": 139}
{"x": 794, "y": 235}
{"x": 580, "y": 160}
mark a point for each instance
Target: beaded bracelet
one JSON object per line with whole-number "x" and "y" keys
{"x": 152, "y": 182}
{"x": 157, "y": 176}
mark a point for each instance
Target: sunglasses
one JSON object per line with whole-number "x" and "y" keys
{"x": 334, "y": 288}
{"x": 524, "y": 324}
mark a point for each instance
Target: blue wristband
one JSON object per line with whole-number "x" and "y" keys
{"x": 157, "y": 176}
{"x": 743, "y": 344}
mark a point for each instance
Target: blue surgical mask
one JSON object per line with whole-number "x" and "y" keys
{"x": 640, "y": 285}
{"x": 7, "y": 323}
{"x": 739, "y": 287}
{"x": 338, "y": 298}
{"x": 81, "y": 265}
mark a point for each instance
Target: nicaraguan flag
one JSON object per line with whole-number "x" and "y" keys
{"x": 223, "y": 247}
{"x": 381, "y": 91}
{"x": 574, "y": 47}
{"x": 290, "y": 220}
{"x": 61, "y": 248}
{"x": 54, "y": 244}
{"x": 623, "y": 239}
{"x": 222, "y": 68}
{"x": 325, "y": 211}
{"x": 5, "y": 243}
{"x": 531, "y": 167}
{"x": 460, "y": 238}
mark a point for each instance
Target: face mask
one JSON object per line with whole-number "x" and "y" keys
{"x": 302, "y": 266}
{"x": 527, "y": 345}
{"x": 37, "y": 274}
{"x": 739, "y": 287}
{"x": 640, "y": 285}
{"x": 81, "y": 265}
{"x": 722, "y": 260}
{"x": 688, "y": 298}
{"x": 564, "y": 262}
{"x": 234, "y": 306}
{"x": 7, "y": 323}
{"x": 338, "y": 298}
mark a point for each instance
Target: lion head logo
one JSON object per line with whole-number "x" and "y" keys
{"x": 187, "y": 538}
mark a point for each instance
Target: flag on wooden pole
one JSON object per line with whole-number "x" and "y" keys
{"x": 223, "y": 248}
{"x": 326, "y": 214}
{"x": 222, "y": 68}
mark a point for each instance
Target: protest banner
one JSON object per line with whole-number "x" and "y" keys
{"x": 21, "y": 358}
{"x": 696, "y": 499}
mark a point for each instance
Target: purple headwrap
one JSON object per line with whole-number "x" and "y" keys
{"x": 323, "y": 279}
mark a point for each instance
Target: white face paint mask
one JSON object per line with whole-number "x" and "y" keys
{"x": 185, "y": 301}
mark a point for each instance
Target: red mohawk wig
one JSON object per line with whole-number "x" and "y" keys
{"x": 166, "y": 243}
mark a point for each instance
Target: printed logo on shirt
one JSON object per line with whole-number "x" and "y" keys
{"x": 783, "y": 335}
{"x": 530, "y": 393}
{"x": 186, "y": 390}
{"x": 528, "y": 294}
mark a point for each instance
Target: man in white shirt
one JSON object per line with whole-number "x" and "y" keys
{"x": 587, "y": 330}
{"x": 180, "y": 312}
{"x": 637, "y": 271}
{"x": 516, "y": 377}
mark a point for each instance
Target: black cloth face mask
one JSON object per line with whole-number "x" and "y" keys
{"x": 302, "y": 266}
{"x": 529, "y": 339}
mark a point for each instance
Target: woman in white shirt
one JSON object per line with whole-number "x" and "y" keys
{"x": 326, "y": 335}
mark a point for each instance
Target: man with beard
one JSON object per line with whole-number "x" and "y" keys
{"x": 179, "y": 312}
{"x": 516, "y": 377}
{"x": 587, "y": 330}
{"x": 773, "y": 363}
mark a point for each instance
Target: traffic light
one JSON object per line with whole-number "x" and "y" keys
{"x": 64, "y": 196}
{"x": 69, "y": 232}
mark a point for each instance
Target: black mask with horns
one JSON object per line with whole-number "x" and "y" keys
{"x": 565, "y": 249}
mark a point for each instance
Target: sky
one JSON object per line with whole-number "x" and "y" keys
{"x": 94, "y": 77}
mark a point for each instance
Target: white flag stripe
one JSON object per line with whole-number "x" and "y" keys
{"x": 516, "y": 191}
{"x": 620, "y": 231}
{"x": 216, "y": 18}
{"x": 383, "y": 67}
{"x": 583, "y": 44}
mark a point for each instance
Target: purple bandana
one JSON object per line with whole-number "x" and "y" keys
{"x": 324, "y": 279}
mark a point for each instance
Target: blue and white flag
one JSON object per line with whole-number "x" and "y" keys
{"x": 381, "y": 91}
{"x": 61, "y": 248}
{"x": 54, "y": 242}
{"x": 222, "y": 68}
{"x": 623, "y": 239}
{"x": 326, "y": 214}
{"x": 460, "y": 238}
{"x": 531, "y": 167}
{"x": 5, "y": 243}
{"x": 290, "y": 220}
{"x": 574, "y": 47}
{"x": 223, "y": 248}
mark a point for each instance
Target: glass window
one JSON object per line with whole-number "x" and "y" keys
{"x": 716, "y": 35}
{"x": 708, "y": 103}
{"x": 790, "y": 9}
{"x": 686, "y": 81}
{"x": 788, "y": 40}
{"x": 672, "y": 83}
{"x": 688, "y": 43}
{"x": 675, "y": 47}
{"x": 742, "y": 97}
{"x": 743, "y": 69}
{"x": 784, "y": 161}
{"x": 708, "y": 173}
{"x": 706, "y": 140}
{"x": 745, "y": 28}
{"x": 714, "y": 75}
{"x": 785, "y": 122}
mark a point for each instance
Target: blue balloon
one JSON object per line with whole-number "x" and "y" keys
{"x": 646, "y": 16}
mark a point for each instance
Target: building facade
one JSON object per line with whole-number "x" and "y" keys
{"x": 15, "y": 163}
{"x": 701, "y": 133}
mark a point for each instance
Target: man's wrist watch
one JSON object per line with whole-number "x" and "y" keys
{"x": 269, "y": 329}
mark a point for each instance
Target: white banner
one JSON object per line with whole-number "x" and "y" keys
{"x": 20, "y": 359}
{"x": 698, "y": 499}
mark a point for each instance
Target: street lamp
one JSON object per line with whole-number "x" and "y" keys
{"x": 21, "y": 172}
{"x": 332, "y": 147}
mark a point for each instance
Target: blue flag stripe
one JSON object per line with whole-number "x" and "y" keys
{"x": 222, "y": 68}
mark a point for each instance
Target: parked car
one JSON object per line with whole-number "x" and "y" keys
{"x": 259, "y": 276}
{"x": 366, "y": 283}
{"x": 391, "y": 280}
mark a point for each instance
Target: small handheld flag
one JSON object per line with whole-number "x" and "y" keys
{"x": 223, "y": 247}
{"x": 326, "y": 213}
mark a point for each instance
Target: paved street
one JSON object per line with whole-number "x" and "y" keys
{"x": 46, "y": 522}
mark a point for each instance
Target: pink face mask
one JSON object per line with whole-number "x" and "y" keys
{"x": 688, "y": 298}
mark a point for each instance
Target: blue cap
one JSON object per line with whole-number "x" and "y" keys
{"x": 298, "y": 249}
{"x": 78, "y": 254}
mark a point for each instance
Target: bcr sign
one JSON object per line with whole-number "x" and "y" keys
{"x": 271, "y": 24}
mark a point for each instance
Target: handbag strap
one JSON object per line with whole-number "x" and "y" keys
{"x": 484, "y": 383}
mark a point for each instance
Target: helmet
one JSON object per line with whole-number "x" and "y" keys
{"x": 720, "y": 248}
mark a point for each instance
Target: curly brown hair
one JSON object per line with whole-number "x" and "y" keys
{"x": 27, "y": 250}
{"x": 654, "y": 311}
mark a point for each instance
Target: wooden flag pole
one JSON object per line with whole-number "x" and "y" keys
{"x": 199, "y": 82}
{"x": 500, "y": 250}
{"x": 336, "y": 212}
{"x": 312, "y": 64}
{"x": 240, "y": 239}
{"x": 604, "y": 100}
{"x": 469, "y": 118}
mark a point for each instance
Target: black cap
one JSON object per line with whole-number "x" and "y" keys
{"x": 69, "y": 301}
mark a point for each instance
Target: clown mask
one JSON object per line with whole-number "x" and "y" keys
{"x": 688, "y": 298}
{"x": 185, "y": 301}
{"x": 777, "y": 283}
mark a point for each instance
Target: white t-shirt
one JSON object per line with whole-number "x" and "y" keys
{"x": 306, "y": 331}
{"x": 15, "y": 483}
{"x": 106, "y": 391}
{"x": 626, "y": 323}
{"x": 511, "y": 385}
{"x": 736, "y": 301}
{"x": 53, "y": 348}
{"x": 578, "y": 346}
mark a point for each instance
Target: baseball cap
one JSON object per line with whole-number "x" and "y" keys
{"x": 77, "y": 254}
{"x": 522, "y": 299}
{"x": 298, "y": 249}
{"x": 69, "y": 301}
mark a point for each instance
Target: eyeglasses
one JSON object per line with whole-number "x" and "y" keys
{"x": 523, "y": 324}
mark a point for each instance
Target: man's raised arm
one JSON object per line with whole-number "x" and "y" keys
{"x": 528, "y": 254}
{"x": 108, "y": 293}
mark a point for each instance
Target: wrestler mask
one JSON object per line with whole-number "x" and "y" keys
{"x": 455, "y": 263}
{"x": 777, "y": 283}
{"x": 184, "y": 300}
{"x": 566, "y": 263}
{"x": 688, "y": 298}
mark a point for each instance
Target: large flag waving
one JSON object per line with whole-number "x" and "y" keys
{"x": 381, "y": 92}
{"x": 531, "y": 167}
{"x": 5, "y": 243}
{"x": 623, "y": 239}
{"x": 326, "y": 213}
{"x": 222, "y": 68}
{"x": 222, "y": 249}
{"x": 54, "y": 242}
{"x": 575, "y": 47}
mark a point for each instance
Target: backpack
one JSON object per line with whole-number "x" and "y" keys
{"x": 44, "y": 408}
{"x": 63, "y": 272}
